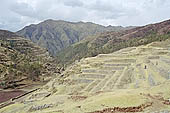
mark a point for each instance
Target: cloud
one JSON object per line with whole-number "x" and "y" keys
{"x": 15, "y": 14}
{"x": 23, "y": 9}
{"x": 73, "y": 3}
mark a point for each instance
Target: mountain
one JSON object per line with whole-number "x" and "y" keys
{"x": 133, "y": 77}
{"x": 112, "y": 41}
{"x": 131, "y": 80}
{"x": 56, "y": 35}
{"x": 21, "y": 61}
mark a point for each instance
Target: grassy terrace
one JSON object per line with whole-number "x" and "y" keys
{"x": 135, "y": 78}
{"x": 85, "y": 49}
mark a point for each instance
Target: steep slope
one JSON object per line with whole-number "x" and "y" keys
{"x": 112, "y": 41}
{"x": 135, "y": 79}
{"x": 22, "y": 60}
{"x": 56, "y": 35}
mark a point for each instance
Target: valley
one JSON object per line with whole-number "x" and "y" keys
{"x": 84, "y": 56}
{"x": 120, "y": 71}
{"x": 134, "y": 79}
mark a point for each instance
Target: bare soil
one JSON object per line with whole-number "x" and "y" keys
{"x": 7, "y": 95}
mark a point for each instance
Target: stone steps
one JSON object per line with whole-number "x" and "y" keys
{"x": 120, "y": 60}
{"x": 100, "y": 56}
{"x": 119, "y": 83}
{"x": 110, "y": 84}
{"x": 113, "y": 68}
{"x": 81, "y": 81}
{"x": 93, "y": 76}
{"x": 91, "y": 86}
{"x": 95, "y": 71}
{"x": 118, "y": 64}
{"x": 128, "y": 68}
{"x": 160, "y": 71}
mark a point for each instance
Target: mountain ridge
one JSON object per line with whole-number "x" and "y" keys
{"x": 56, "y": 35}
{"x": 134, "y": 79}
{"x": 112, "y": 41}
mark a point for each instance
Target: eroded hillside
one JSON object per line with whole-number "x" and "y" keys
{"x": 22, "y": 61}
{"x": 135, "y": 79}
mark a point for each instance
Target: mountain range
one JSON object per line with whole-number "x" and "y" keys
{"x": 18, "y": 52}
{"x": 133, "y": 78}
{"x": 109, "y": 42}
{"x": 106, "y": 69}
{"x": 55, "y": 35}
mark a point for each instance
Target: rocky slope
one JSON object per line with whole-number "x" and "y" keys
{"x": 112, "y": 41}
{"x": 22, "y": 61}
{"x": 57, "y": 35}
{"x": 135, "y": 79}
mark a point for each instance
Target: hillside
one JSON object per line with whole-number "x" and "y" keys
{"x": 22, "y": 61}
{"x": 112, "y": 41}
{"x": 57, "y": 35}
{"x": 131, "y": 80}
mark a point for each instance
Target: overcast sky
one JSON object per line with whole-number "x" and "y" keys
{"x": 15, "y": 14}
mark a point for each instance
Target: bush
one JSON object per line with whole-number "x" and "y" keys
{"x": 33, "y": 70}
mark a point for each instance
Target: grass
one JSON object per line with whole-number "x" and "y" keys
{"x": 82, "y": 49}
{"x": 113, "y": 96}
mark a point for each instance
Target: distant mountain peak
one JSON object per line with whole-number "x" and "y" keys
{"x": 56, "y": 35}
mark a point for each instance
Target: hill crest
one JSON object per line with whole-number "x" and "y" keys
{"x": 56, "y": 35}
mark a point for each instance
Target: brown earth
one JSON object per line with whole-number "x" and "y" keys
{"x": 7, "y": 95}
{"x": 125, "y": 109}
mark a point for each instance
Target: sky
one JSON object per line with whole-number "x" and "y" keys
{"x": 15, "y": 14}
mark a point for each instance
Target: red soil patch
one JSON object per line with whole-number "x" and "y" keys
{"x": 7, "y": 95}
{"x": 125, "y": 109}
{"x": 158, "y": 97}
{"x": 166, "y": 102}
